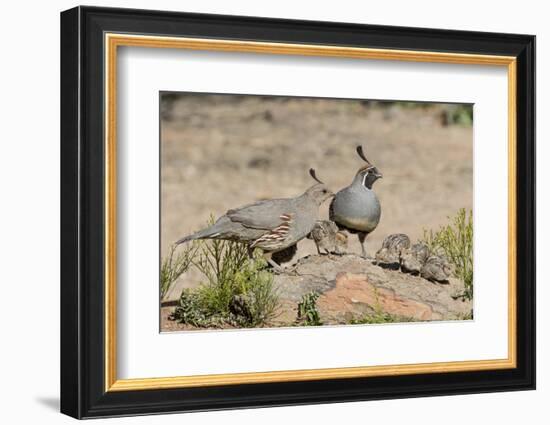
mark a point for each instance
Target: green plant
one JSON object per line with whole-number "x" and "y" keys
{"x": 308, "y": 315}
{"x": 466, "y": 316}
{"x": 459, "y": 115}
{"x": 220, "y": 262}
{"x": 190, "y": 310}
{"x": 244, "y": 295}
{"x": 238, "y": 291}
{"x": 456, "y": 242}
{"x": 260, "y": 295}
{"x": 379, "y": 317}
{"x": 456, "y": 114}
{"x": 174, "y": 266}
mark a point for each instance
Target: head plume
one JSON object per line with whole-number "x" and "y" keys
{"x": 368, "y": 165}
{"x": 318, "y": 192}
{"x": 314, "y": 176}
{"x": 362, "y": 154}
{"x": 368, "y": 173}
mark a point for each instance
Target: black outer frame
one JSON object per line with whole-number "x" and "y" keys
{"x": 82, "y": 217}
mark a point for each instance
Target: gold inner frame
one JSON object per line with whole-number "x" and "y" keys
{"x": 113, "y": 41}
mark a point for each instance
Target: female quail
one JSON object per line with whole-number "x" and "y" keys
{"x": 356, "y": 208}
{"x": 271, "y": 225}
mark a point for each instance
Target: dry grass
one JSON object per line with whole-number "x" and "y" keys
{"x": 174, "y": 265}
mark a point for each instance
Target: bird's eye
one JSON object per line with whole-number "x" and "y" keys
{"x": 324, "y": 191}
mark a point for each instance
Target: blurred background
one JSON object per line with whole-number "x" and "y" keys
{"x": 223, "y": 151}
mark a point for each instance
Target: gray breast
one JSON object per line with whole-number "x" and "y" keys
{"x": 356, "y": 208}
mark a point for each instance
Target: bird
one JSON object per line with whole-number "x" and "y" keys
{"x": 328, "y": 238}
{"x": 436, "y": 268}
{"x": 392, "y": 249}
{"x": 341, "y": 242}
{"x": 414, "y": 258}
{"x": 270, "y": 225}
{"x": 356, "y": 208}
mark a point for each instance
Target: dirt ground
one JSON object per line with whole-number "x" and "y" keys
{"x": 220, "y": 152}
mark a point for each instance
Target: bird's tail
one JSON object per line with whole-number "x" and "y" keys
{"x": 201, "y": 234}
{"x": 185, "y": 239}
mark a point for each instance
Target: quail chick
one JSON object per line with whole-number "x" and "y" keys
{"x": 341, "y": 243}
{"x": 414, "y": 258}
{"x": 392, "y": 248}
{"x": 327, "y": 238}
{"x": 356, "y": 208}
{"x": 436, "y": 269}
{"x": 271, "y": 225}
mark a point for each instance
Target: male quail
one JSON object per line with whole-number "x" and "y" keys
{"x": 327, "y": 238}
{"x": 392, "y": 249}
{"x": 356, "y": 208}
{"x": 271, "y": 225}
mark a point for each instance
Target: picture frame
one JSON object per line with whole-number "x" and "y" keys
{"x": 90, "y": 40}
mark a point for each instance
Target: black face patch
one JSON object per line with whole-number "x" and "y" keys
{"x": 370, "y": 176}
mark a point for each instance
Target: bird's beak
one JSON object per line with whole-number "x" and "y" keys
{"x": 378, "y": 175}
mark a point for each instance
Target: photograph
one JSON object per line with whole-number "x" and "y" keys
{"x": 284, "y": 211}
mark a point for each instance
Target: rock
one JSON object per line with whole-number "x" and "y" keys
{"x": 353, "y": 293}
{"x": 351, "y": 287}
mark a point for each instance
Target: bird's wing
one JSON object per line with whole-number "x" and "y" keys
{"x": 263, "y": 214}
